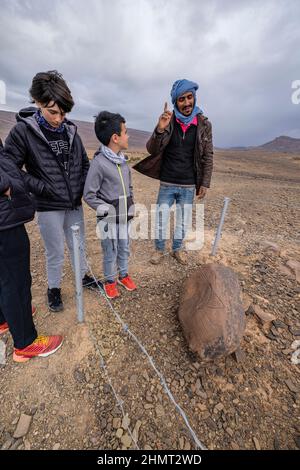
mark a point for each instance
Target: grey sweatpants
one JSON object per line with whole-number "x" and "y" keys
{"x": 55, "y": 226}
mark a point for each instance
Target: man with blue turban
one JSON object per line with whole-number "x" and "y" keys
{"x": 181, "y": 157}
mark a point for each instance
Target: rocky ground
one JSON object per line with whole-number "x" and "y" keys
{"x": 100, "y": 391}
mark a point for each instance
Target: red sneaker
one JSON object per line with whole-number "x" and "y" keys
{"x": 128, "y": 283}
{"x": 111, "y": 290}
{"x": 4, "y": 326}
{"x": 42, "y": 346}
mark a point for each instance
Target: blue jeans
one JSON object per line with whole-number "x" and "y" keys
{"x": 183, "y": 198}
{"x": 115, "y": 246}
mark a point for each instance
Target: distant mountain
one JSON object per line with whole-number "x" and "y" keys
{"x": 137, "y": 141}
{"x": 283, "y": 144}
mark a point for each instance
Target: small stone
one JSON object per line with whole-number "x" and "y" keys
{"x": 125, "y": 422}
{"x": 256, "y": 443}
{"x": 279, "y": 324}
{"x": 294, "y": 331}
{"x": 116, "y": 423}
{"x": 56, "y": 433}
{"x": 297, "y": 441}
{"x": 7, "y": 443}
{"x": 148, "y": 406}
{"x": 202, "y": 407}
{"x": 119, "y": 433}
{"x": 2, "y": 352}
{"x": 27, "y": 445}
{"x": 286, "y": 351}
{"x": 187, "y": 445}
{"x": 126, "y": 440}
{"x": 16, "y": 444}
{"x": 56, "y": 446}
{"x": 230, "y": 432}
{"x": 276, "y": 444}
{"x": 181, "y": 443}
{"x": 145, "y": 376}
{"x": 159, "y": 411}
{"x": 293, "y": 388}
{"x": 23, "y": 426}
{"x": 218, "y": 407}
{"x": 264, "y": 317}
{"x": 239, "y": 355}
{"x": 235, "y": 446}
{"x": 270, "y": 246}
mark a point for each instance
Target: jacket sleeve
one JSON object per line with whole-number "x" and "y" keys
{"x": 15, "y": 146}
{"x": 207, "y": 158}
{"x": 85, "y": 162}
{"x": 91, "y": 188}
{"x": 4, "y": 182}
{"x": 154, "y": 144}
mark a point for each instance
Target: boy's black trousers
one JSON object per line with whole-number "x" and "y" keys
{"x": 15, "y": 285}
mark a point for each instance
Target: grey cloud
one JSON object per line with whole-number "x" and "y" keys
{"x": 124, "y": 56}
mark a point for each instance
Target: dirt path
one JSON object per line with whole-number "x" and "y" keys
{"x": 247, "y": 405}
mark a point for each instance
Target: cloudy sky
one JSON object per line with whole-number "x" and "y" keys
{"x": 124, "y": 55}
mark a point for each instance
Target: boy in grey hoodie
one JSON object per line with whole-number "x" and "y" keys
{"x": 108, "y": 190}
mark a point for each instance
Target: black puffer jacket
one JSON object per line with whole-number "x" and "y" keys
{"x": 52, "y": 187}
{"x": 18, "y": 208}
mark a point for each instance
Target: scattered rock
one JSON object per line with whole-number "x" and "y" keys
{"x": 202, "y": 407}
{"x": 270, "y": 246}
{"x": 79, "y": 376}
{"x": 16, "y": 444}
{"x": 116, "y": 423}
{"x": 23, "y": 426}
{"x": 256, "y": 443}
{"x": 230, "y": 432}
{"x": 126, "y": 440}
{"x": 235, "y": 446}
{"x": 294, "y": 331}
{"x": 293, "y": 388}
{"x": 297, "y": 441}
{"x": 159, "y": 411}
{"x": 264, "y": 317}
{"x": 119, "y": 433}
{"x": 125, "y": 422}
{"x": 239, "y": 355}
{"x": 7, "y": 443}
{"x": 295, "y": 268}
{"x": 56, "y": 446}
{"x": 276, "y": 444}
{"x": 2, "y": 352}
{"x": 218, "y": 407}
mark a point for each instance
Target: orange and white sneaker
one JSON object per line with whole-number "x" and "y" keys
{"x": 42, "y": 346}
{"x": 4, "y": 326}
{"x": 127, "y": 282}
{"x": 110, "y": 289}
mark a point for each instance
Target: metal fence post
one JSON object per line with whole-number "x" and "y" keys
{"x": 219, "y": 230}
{"x": 78, "y": 281}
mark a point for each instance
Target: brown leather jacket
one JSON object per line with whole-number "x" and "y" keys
{"x": 203, "y": 154}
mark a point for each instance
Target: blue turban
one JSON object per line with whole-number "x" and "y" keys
{"x": 179, "y": 88}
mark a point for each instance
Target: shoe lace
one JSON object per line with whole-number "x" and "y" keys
{"x": 41, "y": 339}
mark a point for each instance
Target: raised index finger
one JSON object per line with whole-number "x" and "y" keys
{"x": 166, "y": 107}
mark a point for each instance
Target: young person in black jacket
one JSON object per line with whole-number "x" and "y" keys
{"x": 57, "y": 164}
{"x": 16, "y": 208}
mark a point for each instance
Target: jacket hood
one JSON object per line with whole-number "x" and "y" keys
{"x": 100, "y": 154}
{"x": 26, "y": 114}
